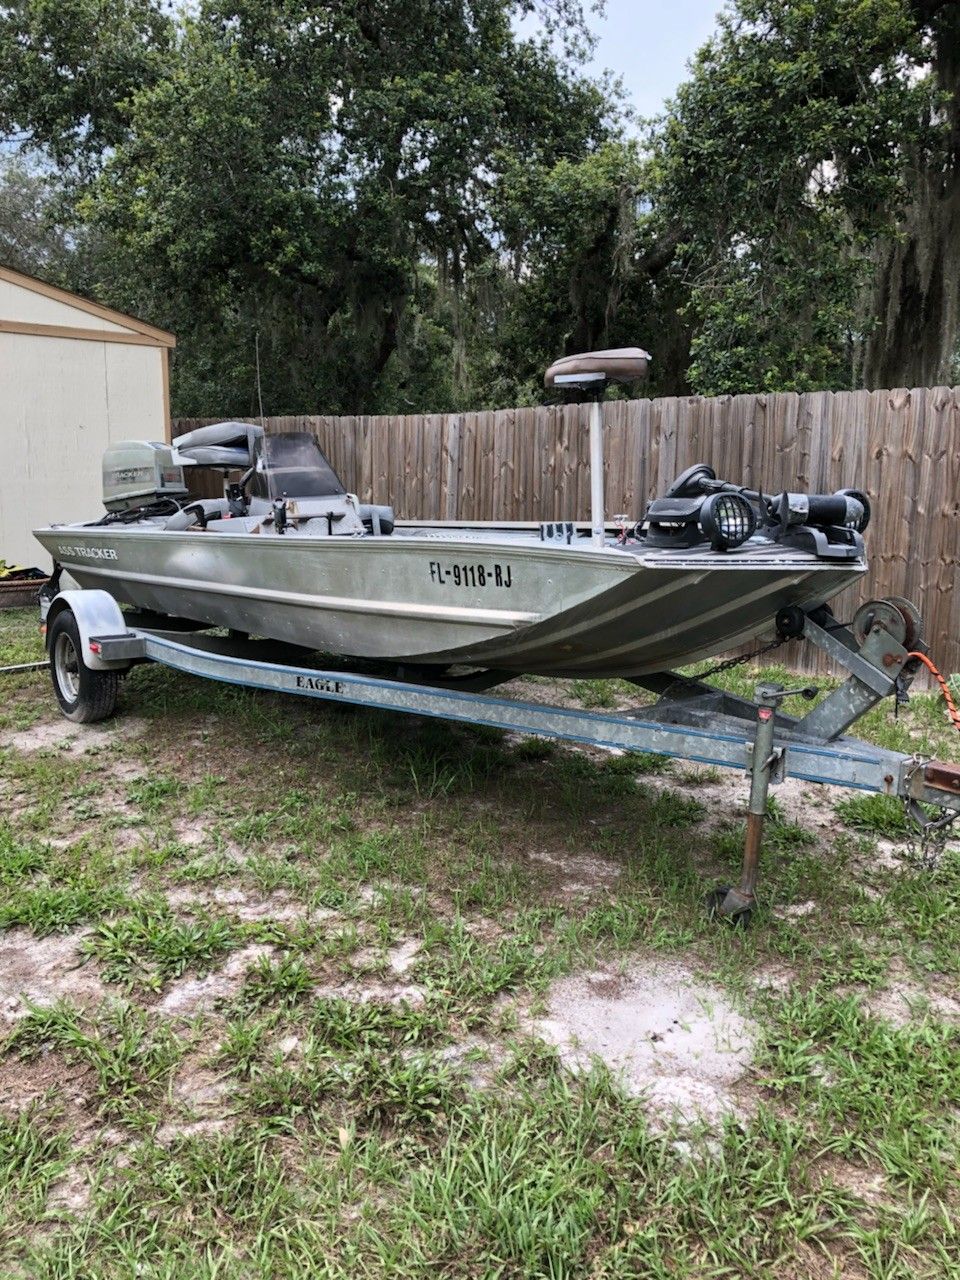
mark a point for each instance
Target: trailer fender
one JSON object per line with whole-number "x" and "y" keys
{"x": 96, "y": 614}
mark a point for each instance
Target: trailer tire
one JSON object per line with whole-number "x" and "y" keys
{"x": 714, "y": 900}
{"x": 84, "y": 695}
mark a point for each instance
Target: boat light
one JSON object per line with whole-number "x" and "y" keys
{"x": 727, "y": 520}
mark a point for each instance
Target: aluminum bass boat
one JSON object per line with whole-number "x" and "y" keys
{"x": 288, "y": 554}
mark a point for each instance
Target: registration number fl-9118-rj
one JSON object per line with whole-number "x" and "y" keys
{"x": 471, "y": 575}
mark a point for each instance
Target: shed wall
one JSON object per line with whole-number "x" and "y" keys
{"x": 62, "y": 401}
{"x": 17, "y": 303}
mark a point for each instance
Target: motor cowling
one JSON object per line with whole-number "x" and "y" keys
{"x": 137, "y": 472}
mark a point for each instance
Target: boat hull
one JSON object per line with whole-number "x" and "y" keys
{"x": 436, "y": 597}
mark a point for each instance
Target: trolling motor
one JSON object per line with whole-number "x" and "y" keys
{"x": 699, "y": 508}
{"x": 829, "y": 525}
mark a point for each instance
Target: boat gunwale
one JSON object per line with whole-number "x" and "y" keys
{"x": 626, "y": 559}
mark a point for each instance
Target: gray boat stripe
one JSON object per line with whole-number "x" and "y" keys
{"x": 388, "y": 608}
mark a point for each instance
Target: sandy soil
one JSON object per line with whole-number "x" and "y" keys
{"x": 668, "y": 1036}
{"x": 64, "y": 735}
{"x": 249, "y": 907}
{"x": 188, "y": 996}
{"x": 905, "y": 999}
{"x": 44, "y": 970}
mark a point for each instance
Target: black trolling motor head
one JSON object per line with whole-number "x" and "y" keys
{"x": 698, "y": 508}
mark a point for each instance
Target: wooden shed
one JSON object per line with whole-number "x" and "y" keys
{"x": 74, "y": 376}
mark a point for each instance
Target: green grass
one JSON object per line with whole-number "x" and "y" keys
{"x": 323, "y": 1114}
{"x": 128, "y": 1055}
{"x": 878, "y": 1094}
{"x": 150, "y": 945}
{"x": 34, "y": 1152}
{"x": 50, "y": 890}
{"x": 880, "y": 815}
{"x": 276, "y": 982}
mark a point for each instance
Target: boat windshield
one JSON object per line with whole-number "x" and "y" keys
{"x": 292, "y": 465}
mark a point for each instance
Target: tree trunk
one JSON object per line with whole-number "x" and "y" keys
{"x": 915, "y": 296}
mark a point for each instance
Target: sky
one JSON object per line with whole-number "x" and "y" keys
{"x": 648, "y": 44}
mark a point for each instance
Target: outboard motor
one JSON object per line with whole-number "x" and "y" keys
{"x": 137, "y": 473}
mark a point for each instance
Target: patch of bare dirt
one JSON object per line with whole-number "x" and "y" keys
{"x": 402, "y": 958}
{"x": 188, "y": 996}
{"x": 201, "y": 1099}
{"x": 481, "y": 927}
{"x": 44, "y": 970}
{"x": 478, "y": 1058}
{"x": 807, "y": 805}
{"x": 667, "y": 1035}
{"x": 192, "y": 832}
{"x": 367, "y": 981}
{"x": 24, "y": 1081}
{"x": 907, "y": 999}
{"x": 885, "y": 855}
{"x": 77, "y": 739}
{"x": 126, "y": 838}
{"x": 71, "y": 1193}
{"x": 795, "y": 911}
{"x": 774, "y": 977}
{"x": 866, "y": 1184}
{"x": 366, "y": 990}
{"x": 251, "y": 908}
{"x": 126, "y": 771}
{"x": 577, "y": 874}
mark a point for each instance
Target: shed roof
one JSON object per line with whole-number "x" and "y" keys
{"x": 139, "y": 332}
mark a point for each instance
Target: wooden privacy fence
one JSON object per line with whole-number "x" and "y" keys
{"x": 901, "y": 446}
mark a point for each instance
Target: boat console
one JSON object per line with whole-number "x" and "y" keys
{"x": 285, "y": 484}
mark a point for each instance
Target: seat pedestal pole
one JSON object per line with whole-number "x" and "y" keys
{"x": 596, "y": 474}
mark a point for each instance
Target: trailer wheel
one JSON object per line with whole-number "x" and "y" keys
{"x": 714, "y": 900}
{"x": 85, "y": 695}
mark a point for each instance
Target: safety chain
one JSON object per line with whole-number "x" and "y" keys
{"x": 926, "y": 848}
{"x": 740, "y": 659}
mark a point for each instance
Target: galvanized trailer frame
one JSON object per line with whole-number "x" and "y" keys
{"x": 689, "y": 721}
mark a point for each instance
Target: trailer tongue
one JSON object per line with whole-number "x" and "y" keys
{"x": 91, "y": 644}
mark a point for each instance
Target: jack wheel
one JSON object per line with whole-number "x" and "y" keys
{"x": 85, "y": 695}
{"x": 714, "y": 900}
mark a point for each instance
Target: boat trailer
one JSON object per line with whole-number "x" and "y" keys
{"x": 91, "y": 644}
